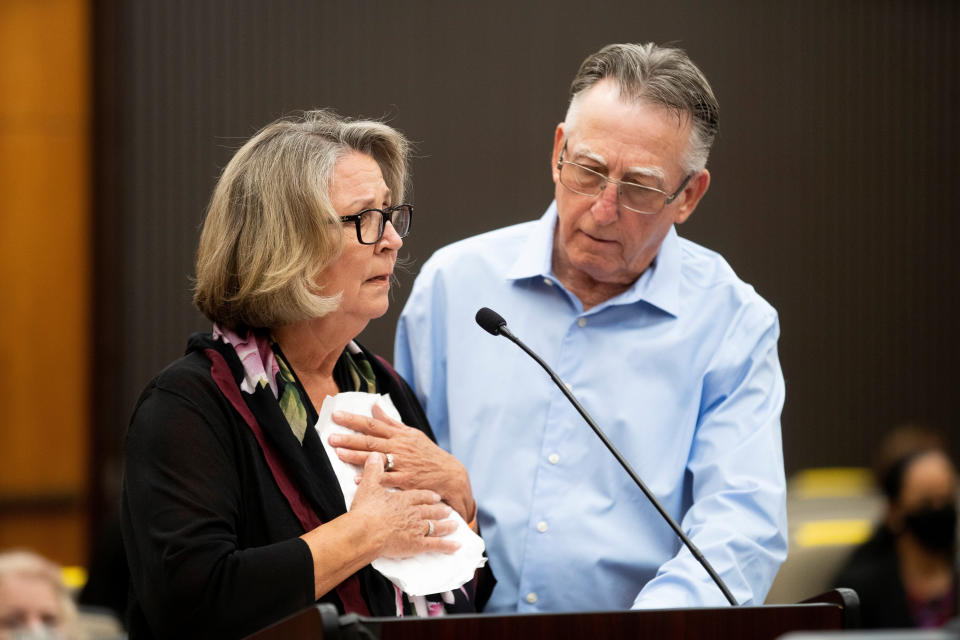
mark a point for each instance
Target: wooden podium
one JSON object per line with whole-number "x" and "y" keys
{"x": 834, "y": 610}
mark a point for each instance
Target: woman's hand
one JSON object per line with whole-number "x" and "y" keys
{"x": 410, "y": 521}
{"x": 380, "y": 523}
{"x": 418, "y": 463}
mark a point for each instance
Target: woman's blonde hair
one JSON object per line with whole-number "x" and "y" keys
{"x": 270, "y": 227}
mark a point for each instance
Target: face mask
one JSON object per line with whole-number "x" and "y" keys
{"x": 935, "y": 529}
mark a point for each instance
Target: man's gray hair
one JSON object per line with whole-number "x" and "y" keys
{"x": 663, "y": 76}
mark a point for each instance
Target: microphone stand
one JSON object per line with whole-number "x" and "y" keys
{"x": 502, "y": 329}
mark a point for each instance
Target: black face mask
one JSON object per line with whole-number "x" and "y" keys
{"x": 935, "y": 529}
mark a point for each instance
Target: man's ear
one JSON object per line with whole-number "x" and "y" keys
{"x": 559, "y": 137}
{"x": 692, "y": 193}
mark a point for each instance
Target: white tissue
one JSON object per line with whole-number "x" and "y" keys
{"x": 424, "y": 573}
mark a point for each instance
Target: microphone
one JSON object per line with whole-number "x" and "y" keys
{"x": 493, "y": 323}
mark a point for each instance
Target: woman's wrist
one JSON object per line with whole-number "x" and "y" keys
{"x": 369, "y": 539}
{"x": 341, "y": 547}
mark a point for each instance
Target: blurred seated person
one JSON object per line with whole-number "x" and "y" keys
{"x": 906, "y": 574}
{"x": 34, "y": 602}
{"x": 232, "y": 515}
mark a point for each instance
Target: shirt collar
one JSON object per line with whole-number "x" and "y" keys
{"x": 534, "y": 260}
{"x": 659, "y": 285}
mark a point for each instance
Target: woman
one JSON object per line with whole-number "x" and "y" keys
{"x": 232, "y": 515}
{"x": 906, "y": 574}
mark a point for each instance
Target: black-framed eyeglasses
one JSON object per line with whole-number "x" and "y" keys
{"x": 370, "y": 223}
{"x": 636, "y": 197}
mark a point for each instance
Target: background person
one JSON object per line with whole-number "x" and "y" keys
{"x": 906, "y": 574}
{"x": 232, "y": 515}
{"x": 674, "y": 356}
{"x": 34, "y": 602}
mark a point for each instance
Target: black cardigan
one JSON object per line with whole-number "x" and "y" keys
{"x": 212, "y": 544}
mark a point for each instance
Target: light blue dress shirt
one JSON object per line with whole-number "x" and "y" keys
{"x": 680, "y": 371}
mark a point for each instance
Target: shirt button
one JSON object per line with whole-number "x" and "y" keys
{"x": 542, "y": 526}
{"x": 548, "y": 282}
{"x": 582, "y": 322}
{"x": 554, "y": 458}
{"x": 531, "y": 597}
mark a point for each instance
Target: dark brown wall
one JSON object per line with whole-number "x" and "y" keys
{"x": 835, "y": 173}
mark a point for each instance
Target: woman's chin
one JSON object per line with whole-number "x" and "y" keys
{"x": 378, "y": 309}
{"x": 370, "y": 304}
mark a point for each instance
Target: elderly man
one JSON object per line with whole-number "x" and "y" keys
{"x": 673, "y": 355}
